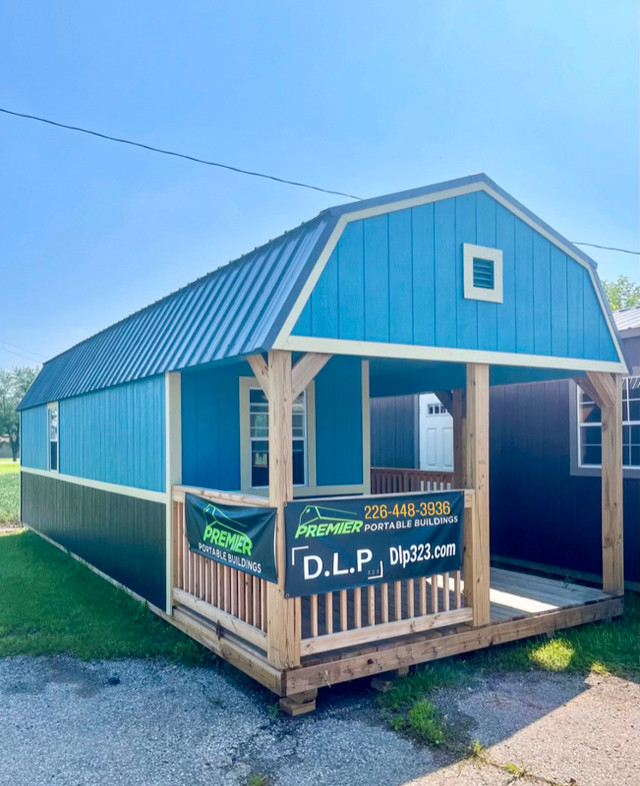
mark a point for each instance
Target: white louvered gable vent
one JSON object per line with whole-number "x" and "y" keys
{"x": 482, "y": 273}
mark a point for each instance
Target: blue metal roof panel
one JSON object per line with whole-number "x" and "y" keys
{"x": 231, "y": 312}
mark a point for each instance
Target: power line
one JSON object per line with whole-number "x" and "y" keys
{"x": 607, "y": 248}
{"x": 18, "y": 354}
{"x": 239, "y": 170}
{"x": 23, "y": 349}
{"x": 179, "y": 155}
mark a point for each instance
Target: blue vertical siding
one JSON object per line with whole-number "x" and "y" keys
{"x": 376, "y": 277}
{"x": 398, "y": 278}
{"x": 486, "y": 236}
{"x": 33, "y": 438}
{"x": 116, "y": 435}
{"x": 211, "y": 425}
{"x": 339, "y": 422}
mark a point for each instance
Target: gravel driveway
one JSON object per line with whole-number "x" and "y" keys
{"x": 135, "y": 722}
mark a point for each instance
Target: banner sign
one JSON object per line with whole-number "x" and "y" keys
{"x": 237, "y": 536}
{"x": 336, "y": 544}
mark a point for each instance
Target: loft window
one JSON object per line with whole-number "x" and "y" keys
{"x": 259, "y": 438}
{"x": 52, "y": 436}
{"x": 482, "y": 273}
{"x": 590, "y": 427}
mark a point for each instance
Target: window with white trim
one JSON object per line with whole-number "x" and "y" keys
{"x": 52, "y": 436}
{"x": 259, "y": 438}
{"x": 590, "y": 427}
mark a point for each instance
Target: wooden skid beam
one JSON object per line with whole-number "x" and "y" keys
{"x": 245, "y": 659}
{"x": 305, "y": 370}
{"x": 434, "y": 646}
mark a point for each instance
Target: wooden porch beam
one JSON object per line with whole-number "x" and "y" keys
{"x": 445, "y": 397}
{"x": 283, "y": 641}
{"x": 476, "y": 535}
{"x": 604, "y": 386}
{"x": 585, "y": 384}
{"x": 612, "y": 473}
{"x": 260, "y": 372}
{"x": 305, "y": 370}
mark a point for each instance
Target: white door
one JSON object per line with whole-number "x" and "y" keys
{"x": 436, "y": 435}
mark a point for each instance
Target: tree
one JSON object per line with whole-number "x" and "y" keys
{"x": 13, "y": 385}
{"x": 621, "y": 293}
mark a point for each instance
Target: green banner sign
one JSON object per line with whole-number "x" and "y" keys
{"x": 336, "y": 544}
{"x": 237, "y": 536}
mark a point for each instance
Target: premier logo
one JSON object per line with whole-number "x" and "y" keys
{"x": 224, "y": 532}
{"x": 316, "y": 522}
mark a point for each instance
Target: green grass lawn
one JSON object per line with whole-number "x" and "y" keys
{"x": 9, "y": 491}
{"x": 50, "y": 603}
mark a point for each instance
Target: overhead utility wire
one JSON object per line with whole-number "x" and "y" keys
{"x": 22, "y": 349}
{"x": 607, "y": 248}
{"x": 179, "y": 155}
{"x": 226, "y": 166}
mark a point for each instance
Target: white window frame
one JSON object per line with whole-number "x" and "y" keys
{"x": 53, "y": 407}
{"x": 246, "y": 385}
{"x": 471, "y": 252}
{"x": 629, "y": 469}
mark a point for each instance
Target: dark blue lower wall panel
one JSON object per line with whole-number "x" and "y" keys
{"x": 122, "y": 536}
{"x": 540, "y": 512}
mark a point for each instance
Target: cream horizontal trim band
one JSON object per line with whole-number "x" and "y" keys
{"x": 393, "y": 207}
{"x": 113, "y": 488}
{"x": 338, "y": 346}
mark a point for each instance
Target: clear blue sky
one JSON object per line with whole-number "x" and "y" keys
{"x": 365, "y": 97}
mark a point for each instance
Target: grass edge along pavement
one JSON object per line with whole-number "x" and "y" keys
{"x": 52, "y": 605}
{"x": 600, "y": 648}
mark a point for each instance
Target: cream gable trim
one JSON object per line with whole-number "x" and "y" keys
{"x": 338, "y": 346}
{"x": 392, "y": 207}
{"x": 113, "y": 488}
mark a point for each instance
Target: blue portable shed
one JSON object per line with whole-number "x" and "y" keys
{"x": 396, "y": 295}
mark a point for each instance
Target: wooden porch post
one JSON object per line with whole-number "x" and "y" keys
{"x": 283, "y": 645}
{"x": 476, "y": 541}
{"x": 606, "y": 390}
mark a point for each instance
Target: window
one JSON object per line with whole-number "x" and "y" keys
{"x": 436, "y": 409}
{"x": 590, "y": 427}
{"x": 259, "y": 438}
{"x": 482, "y": 273}
{"x": 52, "y": 436}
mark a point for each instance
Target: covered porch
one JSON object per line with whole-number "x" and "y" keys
{"x": 296, "y": 645}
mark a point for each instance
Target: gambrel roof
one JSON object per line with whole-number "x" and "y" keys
{"x": 252, "y": 304}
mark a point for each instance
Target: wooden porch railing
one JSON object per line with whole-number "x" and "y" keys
{"x": 391, "y": 480}
{"x": 238, "y": 602}
{"x": 231, "y": 598}
{"x": 364, "y": 615}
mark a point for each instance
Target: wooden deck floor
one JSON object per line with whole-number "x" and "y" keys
{"x": 515, "y": 595}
